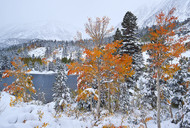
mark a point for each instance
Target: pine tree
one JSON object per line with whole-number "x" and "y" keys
{"x": 130, "y": 43}
{"x": 36, "y": 66}
{"x": 41, "y": 96}
{"x": 177, "y": 85}
{"x": 185, "y": 123}
{"x": 117, "y": 35}
{"x": 58, "y": 62}
{"x": 30, "y": 65}
{"x": 51, "y": 66}
{"x": 6, "y": 63}
{"x": 1, "y": 63}
{"x": 61, "y": 94}
{"x": 128, "y": 34}
{"x": 64, "y": 51}
{"x": 178, "y": 89}
{"x": 131, "y": 47}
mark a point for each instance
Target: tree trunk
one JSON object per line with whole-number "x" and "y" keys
{"x": 99, "y": 99}
{"x": 99, "y": 88}
{"x": 158, "y": 99}
{"x": 91, "y": 103}
{"x": 170, "y": 107}
{"x": 109, "y": 100}
{"x": 117, "y": 102}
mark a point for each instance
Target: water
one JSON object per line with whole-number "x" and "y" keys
{"x": 44, "y": 82}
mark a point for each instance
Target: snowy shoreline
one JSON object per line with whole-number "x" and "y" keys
{"x": 44, "y": 72}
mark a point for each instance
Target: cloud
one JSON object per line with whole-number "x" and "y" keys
{"x": 68, "y": 11}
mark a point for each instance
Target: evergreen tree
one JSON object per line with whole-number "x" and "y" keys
{"x": 78, "y": 56}
{"x": 117, "y": 35}
{"x": 41, "y": 96}
{"x": 61, "y": 94}
{"x": 36, "y": 66}
{"x": 178, "y": 92}
{"x": 185, "y": 123}
{"x": 51, "y": 66}
{"x": 128, "y": 34}
{"x": 131, "y": 47}
{"x": 57, "y": 64}
{"x": 1, "y": 63}
{"x": 64, "y": 51}
{"x": 177, "y": 85}
{"x": 6, "y": 63}
{"x": 30, "y": 65}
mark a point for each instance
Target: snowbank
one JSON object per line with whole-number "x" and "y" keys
{"x": 44, "y": 72}
{"x": 30, "y": 115}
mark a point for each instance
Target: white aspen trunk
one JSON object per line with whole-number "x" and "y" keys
{"x": 158, "y": 99}
{"x": 170, "y": 107}
{"x": 99, "y": 98}
{"x": 109, "y": 103}
{"x": 91, "y": 103}
{"x": 99, "y": 88}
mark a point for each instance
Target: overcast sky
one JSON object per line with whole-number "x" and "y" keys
{"x": 67, "y": 11}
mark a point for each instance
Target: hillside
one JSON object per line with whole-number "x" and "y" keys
{"x": 21, "y": 33}
{"x": 146, "y": 15}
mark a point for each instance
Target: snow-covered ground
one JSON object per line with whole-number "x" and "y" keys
{"x": 43, "y": 72}
{"x": 31, "y": 115}
{"x": 38, "y": 52}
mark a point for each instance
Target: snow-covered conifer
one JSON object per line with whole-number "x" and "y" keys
{"x": 62, "y": 95}
{"x": 117, "y": 35}
{"x": 131, "y": 47}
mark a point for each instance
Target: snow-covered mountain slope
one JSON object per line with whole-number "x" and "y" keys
{"x": 40, "y": 30}
{"x": 12, "y": 41}
{"x": 38, "y": 52}
{"x": 146, "y": 15}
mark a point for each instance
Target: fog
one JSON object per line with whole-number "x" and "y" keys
{"x": 73, "y": 12}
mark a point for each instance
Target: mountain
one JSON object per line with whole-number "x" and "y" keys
{"x": 15, "y": 34}
{"x": 146, "y": 15}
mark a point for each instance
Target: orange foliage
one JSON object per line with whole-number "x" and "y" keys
{"x": 164, "y": 46}
{"x": 148, "y": 119}
{"x": 168, "y": 102}
{"x": 113, "y": 126}
{"x": 84, "y": 94}
{"x": 22, "y": 86}
{"x": 102, "y": 63}
{"x": 45, "y": 61}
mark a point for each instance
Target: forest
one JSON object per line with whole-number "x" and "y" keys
{"x": 137, "y": 78}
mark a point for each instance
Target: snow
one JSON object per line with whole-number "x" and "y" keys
{"x": 43, "y": 72}
{"x": 26, "y": 115}
{"x": 145, "y": 56}
{"x": 146, "y": 15}
{"x": 175, "y": 61}
{"x": 38, "y": 52}
{"x": 4, "y": 74}
{"x": 46, "y": 30}
{"x": 164, "y": 124}
{"x": 185, "y": 54}
{"x": 91, "y": 90}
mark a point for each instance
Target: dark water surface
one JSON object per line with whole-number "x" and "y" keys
{"x": 44, "y": 82}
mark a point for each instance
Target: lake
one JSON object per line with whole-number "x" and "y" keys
{"x": 44, "y": 82}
